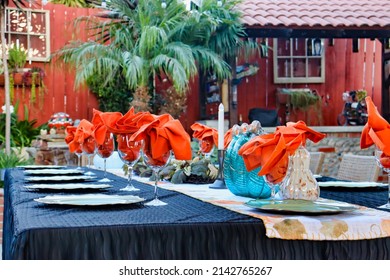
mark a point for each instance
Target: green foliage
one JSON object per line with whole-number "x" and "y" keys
{"x": 138, "y": 40}
{"x": 113, "y": 96}
{"x": 1, "y": 67}
{"x": 71, "y": 3}
{"x": 16, "y": 57}
{"x": 22, "y": 131}
{"x": 198, "y": 170}
{"x": 303, "y": 99}
{"x": 12, "y": 160}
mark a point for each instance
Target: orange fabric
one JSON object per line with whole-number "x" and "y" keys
{"x": 129, "y": 148}
{"x": 81, "y": 135}
{"x": 271, "y": 151}
{"x": 128, "y": 123}
{"x": 207, "y": 134}
{"x": 376, "y": 131}
{"x": 164, "y": 134}
{"x": 227, "y": 138}
{"x": 100, "y": 129}
{"x": 74, "y": 146}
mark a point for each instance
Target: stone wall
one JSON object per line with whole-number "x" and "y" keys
{"x": 339, "y": 140}
{"x": 334, "y": 148}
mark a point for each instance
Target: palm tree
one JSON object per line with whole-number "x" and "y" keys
{"x": 142, "y": 40}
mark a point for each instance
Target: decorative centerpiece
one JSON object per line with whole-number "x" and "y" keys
{"x": 299, "y": 182}
{"x": 238, "y": 180}
{"x": 284, "y": 160}
{"x": 59, "y": 121}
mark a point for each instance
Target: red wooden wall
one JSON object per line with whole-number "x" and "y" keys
{"x": 345, "y": 71}
{"x": 60, "y": 93}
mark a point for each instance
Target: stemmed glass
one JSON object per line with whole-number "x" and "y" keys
{"x": 272, "y": 185}
{"x": 383, "y": 162}
{"x": 206, "y": 147}
{"x": 89, "y": 149}
{"x": 156, "y": 165}
{"x": 104, "y": 151}
{"x": 129, "y": 152}
{"x": 78, "y": 153}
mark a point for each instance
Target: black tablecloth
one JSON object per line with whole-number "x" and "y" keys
{"x": 186, "y": 228}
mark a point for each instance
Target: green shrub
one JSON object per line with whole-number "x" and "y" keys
{"x": 23, "y": 132}
{"x": 12, "y": 160}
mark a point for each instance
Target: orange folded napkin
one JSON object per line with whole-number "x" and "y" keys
{"x": 82, "y": 135}
{"x": 73, "y": 145}
{"x": 376, "y": 131}
{"x": 163, "y": 134}
{"x": 206, "y": 134}
{"x": 128, "y": 123}
{"x": 100, "y": 130}
{"x": 271, "y": 151}
{"x": 130, "y": 149}
{"x": 227, "y": 138}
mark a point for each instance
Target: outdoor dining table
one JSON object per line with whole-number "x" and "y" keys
{"x": 186, "y": 228}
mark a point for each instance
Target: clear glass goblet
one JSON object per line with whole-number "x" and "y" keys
{"x": 78, "y": 153}
{"x": 272, "y": 185}
{"x": 156, "y": 165}
{"x": 206, "y": 147}
{"x": 89, "y": 149}
{"x": 104, "y": 151}
{"x": 129, "y": 152}
{"x": 383, "y": 162}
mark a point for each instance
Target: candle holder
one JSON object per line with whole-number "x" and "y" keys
{"x": 219, "y": 183}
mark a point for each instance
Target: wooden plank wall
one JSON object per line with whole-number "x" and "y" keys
{"x": 345, "y": 71}
{"x": 60, "y": 93}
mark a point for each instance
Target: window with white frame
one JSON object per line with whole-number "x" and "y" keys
{"x": 31, "y": 29}
{"x": 299, "y": 60}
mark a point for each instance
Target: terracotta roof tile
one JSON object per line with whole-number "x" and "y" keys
{"x": 308, "y": 13}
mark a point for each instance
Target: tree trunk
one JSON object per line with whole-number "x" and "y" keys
{"x": 6, "y": 85}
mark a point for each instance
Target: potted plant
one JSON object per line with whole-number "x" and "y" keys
{"x": 1, "y": 73}
{"x": 34, "y": 78}
{"x": 17, "y": 58}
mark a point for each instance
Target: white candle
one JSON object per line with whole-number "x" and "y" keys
{"x": 221, "y": 122}
{"x": 17, "y": 43}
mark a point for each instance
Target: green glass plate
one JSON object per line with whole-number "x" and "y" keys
{"x": 301, "y": 206}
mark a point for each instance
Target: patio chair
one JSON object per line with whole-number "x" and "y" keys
{"x": 358, "y": 168}
{"x": 316, "y": 162}
{"x": 267, "y": 117}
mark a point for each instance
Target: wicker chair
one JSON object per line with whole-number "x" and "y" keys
{"x": 358, "y": 168}
{"x": 316, "y": 162}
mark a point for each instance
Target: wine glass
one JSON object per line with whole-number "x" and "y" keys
{"x": 156, "y": 165}
{"x": 206, "y": 146}
{"x": 78, "y": 153}
{"x": 129, "y": 152}
{"x": 383, "y": 162}
{"x": 104, "y": 151}
{"x": 89, "y": 149}
{"x": 272, "y": 185}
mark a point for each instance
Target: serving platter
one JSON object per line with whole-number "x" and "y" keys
{"x": 89, "y": 199}
{"x": 71, "y": 186}
{"x": 41, "y": 166}
{"x": 58, "y": 178}
{"x": 346, "y": 184}
{"x": 53, "y": 171}
{"x": 299, "y": 206}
